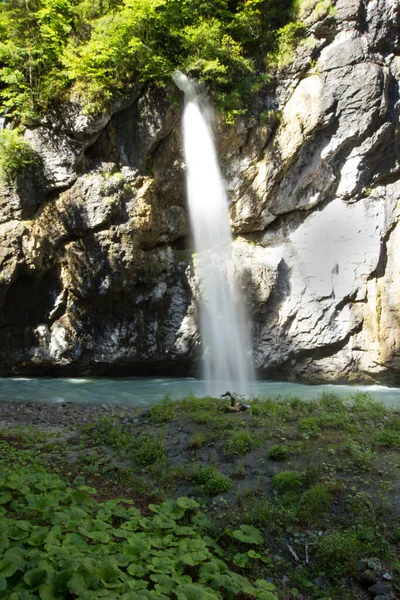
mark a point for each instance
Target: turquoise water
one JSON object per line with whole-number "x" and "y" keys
{"x": 148, "y": 390}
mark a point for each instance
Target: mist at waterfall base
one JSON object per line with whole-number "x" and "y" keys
{"x": 224, "y": 332}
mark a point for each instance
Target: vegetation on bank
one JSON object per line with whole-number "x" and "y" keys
{"x": 95, "y": 50}
{"x": 289, "y": 499}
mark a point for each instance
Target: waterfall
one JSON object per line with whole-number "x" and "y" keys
{"x": 3, "y": 120}
{"x": 225, "y": 339}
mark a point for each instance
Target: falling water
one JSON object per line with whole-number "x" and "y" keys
{"x": 227, "y": 355}
{"x": 3, "y": 120}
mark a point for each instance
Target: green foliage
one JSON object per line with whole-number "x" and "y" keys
{"x": 278, "y": 452}
{"x": 241, "y": 442}
{"x": 310, "y": 427}
{"x": 150, "y": 450}
{"x": 213, "y": 481}
{"x": 96, "y": 51}
{"x": 315, "y": 502}
{"x": 57, "y": 542}
{"x": 287, "y": 39}
{"x": 16, "y": 154}
{"x": 339, "y": 552}
{"x": 360, "y": 454}
{"x": 387, "y": 438}
{"x": 286, "y": 481}
{"x": 248, "y": 534}
{"x": 164, "y": 412}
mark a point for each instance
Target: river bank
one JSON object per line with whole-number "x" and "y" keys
{"x": 320, "y": 480}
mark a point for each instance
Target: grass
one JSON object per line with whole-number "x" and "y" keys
{"x": 320, "y": 475}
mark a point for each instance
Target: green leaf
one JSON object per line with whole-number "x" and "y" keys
{"x": 264, "y": 585}
{"x": 3, "y": 584}
{"x": 138, "y": 584}
{"x": 137, "y": 570}
{"x": 47, "y": 592}
{"x": 241, "y": 559}
{"x": 35, "y": 578}
{"x": 99, "y": 536}
{"x": 77, "y": 584}
{"x": 187, "y": 503}
{"x": 248, "y": 535}
{"x": 7, "y": 567}
{"x": 74, "y": 539}
{"x": 5, "y": 497}
{"x": 62, "y": 579}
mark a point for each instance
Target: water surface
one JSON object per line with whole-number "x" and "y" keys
{"x": 145, "y": 391}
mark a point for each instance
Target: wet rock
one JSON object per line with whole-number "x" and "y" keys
{"x": 379, "y": 589}
{"x": 367, "y": 578}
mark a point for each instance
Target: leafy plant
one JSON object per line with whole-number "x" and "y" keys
{"x": 58, "y": 542}
{"x": 315, "y": 502}
{"x": 52, "y": 50}
{"x": 339, "y": 552}
{"x": 213, "y": 481}
{"x": 164, "y": 412}
{"x": 278, "y": 452}
{"x": 286, "y": 481}
{"x": 241, "y": 442}
{"x": 310, "y": 426}
{"x": 16, "y": 154}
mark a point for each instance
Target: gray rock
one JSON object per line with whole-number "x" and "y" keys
{"x": 379, "y": 589}
{"x": 93, "y": 267}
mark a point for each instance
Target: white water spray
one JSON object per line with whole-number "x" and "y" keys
{"x": 227, "y": 354}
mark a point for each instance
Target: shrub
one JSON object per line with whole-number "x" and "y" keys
{"x": 278, "y": 452}
{"x": 387, "y": 438}
{"x": 310, "y": 426}
{"x": 213, "y": 481}
{"x": 361, "y": 455}
{"x": 150, "y": 450}
{"x": 286, "y": 481}
{"x": 315, "y": 502}
{"x": 338, "y": 553}
{"x": 240, "y": 443}
{"x": 164, "y": 412}
{"x": 16, "y": 154}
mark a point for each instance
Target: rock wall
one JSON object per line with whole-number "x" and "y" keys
{"x": 96, "y": 259}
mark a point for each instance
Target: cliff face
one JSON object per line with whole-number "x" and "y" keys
{"x": 96, "y": 269}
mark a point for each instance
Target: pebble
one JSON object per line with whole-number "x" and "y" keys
{"x": 321, "y": 581}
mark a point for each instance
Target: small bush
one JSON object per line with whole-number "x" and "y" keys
{"x": 387, "y": 438}
{"x": 332, "y": 402}
{"x": 286, "y": 481}
{"x": 213, "y": 481}
{"x": 310, "y": 427}
{"x": 240, "y": 443}
{"x": 315, "y": 502}
{"x": 366, "y": 407}
{"x": 362, "y": 456}
{"x": 15, "y": 155}
{"x": 150, "y": 450}
{"x": 339, "y": 553}
{"x": 278, "y": 452}
{"x": 164, "y": 412}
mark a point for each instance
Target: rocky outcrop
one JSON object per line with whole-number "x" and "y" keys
{"x": 96, "y": 267}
